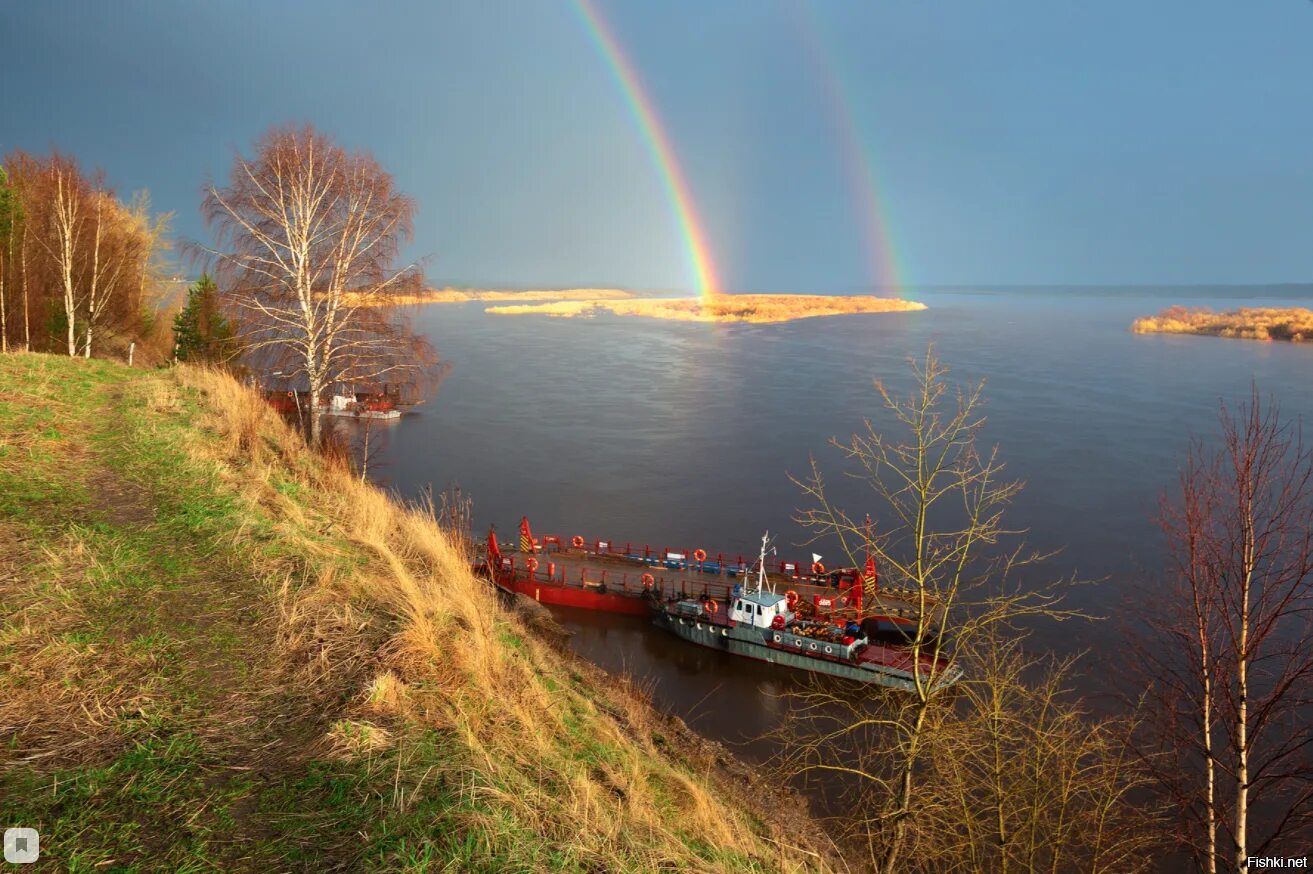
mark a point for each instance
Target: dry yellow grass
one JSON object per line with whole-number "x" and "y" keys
{"x": 327, "y": 645}
{"x": 465, "y": 295}
{"x": 1249, "y": 323}
{"x": 583, "y": 762}
{"x": 756, "y": 308}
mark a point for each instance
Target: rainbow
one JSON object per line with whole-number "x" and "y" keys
{"x": 658, "y": 144}
{"x": 878, "y": 242}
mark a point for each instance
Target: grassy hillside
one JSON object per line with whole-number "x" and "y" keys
{"x": 219, "y": 652}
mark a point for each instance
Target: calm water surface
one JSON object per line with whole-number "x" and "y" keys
{"x": 680, "y": 433}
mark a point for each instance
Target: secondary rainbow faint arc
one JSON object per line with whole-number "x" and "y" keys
{"x": 859, "y": 165}
{"x": 658, "y": 144}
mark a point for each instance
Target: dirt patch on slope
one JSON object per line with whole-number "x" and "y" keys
{"x": 122, "y": 501}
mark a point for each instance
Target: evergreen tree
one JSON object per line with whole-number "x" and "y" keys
{"x": 200, "y": 330}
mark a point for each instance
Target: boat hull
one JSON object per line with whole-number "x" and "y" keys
{"x": 722, "y": 637}
{"x": 362, "y": 414}
{"x": 628, "y": 604}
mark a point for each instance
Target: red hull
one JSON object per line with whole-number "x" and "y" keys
{"x": 571, "y": 596}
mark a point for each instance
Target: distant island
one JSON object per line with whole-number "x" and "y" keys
{"x": 756, "y": 308}
{"x": 465, "y": 295}
{"x": 1249, "y": 323}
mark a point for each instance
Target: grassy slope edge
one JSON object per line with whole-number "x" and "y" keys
{"x": 220, "y": 652}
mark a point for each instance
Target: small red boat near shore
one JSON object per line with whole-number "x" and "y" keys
{"x": 373, "y": 402}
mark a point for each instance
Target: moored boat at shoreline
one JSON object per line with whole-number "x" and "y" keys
{"x": 763, "y": 624}
{"x": 629, "y": 578}
{"x": 347, "y": 401}
{"x": 833, "y": 622}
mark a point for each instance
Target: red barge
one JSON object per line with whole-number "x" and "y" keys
{"x": 637, "y": 580}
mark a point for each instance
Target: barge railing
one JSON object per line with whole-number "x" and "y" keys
{"x": 728, "y": 564}
{"x": 826, "y": 606}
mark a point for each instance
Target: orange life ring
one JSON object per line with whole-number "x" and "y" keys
{"x": 531, "y": 564}
{"x": 648, "y": 580}
{"x": 699, "y": 555}
{"x": 577, "y": 542}
{"x": 711, "y": 605}
{"x": 818, "y": 569}
{"x": 791, "y": 598}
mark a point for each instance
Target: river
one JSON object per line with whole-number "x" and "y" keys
{"x": 681, "y": 433}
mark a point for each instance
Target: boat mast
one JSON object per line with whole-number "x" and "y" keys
{"x": 762, "y": 581}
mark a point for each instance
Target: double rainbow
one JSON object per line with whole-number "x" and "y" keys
{"x": 882, "y": 266}
{"x": 883, "y": 270}
{"x": 658, "y": 144}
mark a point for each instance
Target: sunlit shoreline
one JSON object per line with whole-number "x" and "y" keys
{"x": 1294, "y": 324}
{"x": 754, "y": 308}
{"x": 465, "y": 295}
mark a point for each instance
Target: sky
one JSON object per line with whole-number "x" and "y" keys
{"x": 1025, "y": 142}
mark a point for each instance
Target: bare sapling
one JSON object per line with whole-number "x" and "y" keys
{"x": 942, "y": 546}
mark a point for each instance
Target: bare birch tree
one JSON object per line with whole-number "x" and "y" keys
{"x": 8, "y": 221}
{"x": 943, "y": 546}
{"x": 110, "y": 252}
{"x": 308, "y": 247}
{"x": 69, "y": 249}
{"x": 62, "y": 244}
{"x": 1228, "y": 655}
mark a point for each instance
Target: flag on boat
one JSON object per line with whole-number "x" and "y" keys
{"x": 526, "y": 535}
{"x": 494, "y": 551}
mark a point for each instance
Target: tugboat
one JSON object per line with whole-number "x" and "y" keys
{"x": 758, "y": 623}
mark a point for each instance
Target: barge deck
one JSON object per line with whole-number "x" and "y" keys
{"x": 631, "y": 578}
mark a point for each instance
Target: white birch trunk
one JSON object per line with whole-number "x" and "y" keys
{"x": 1242, "y": 684}
{"x": 27, "y": 323}
{"x": 66, "y": 223}
{"x": 92, "y": 310}
{"x": 4, "y": 325}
